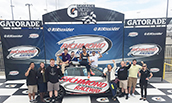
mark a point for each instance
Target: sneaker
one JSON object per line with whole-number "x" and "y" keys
{"x": 31, "y": 101}
{"x": 121, "y": 95}
{"x": 133, "y": 94}
{"x": 128, "y": 95}
{"x": 51, "y": 99}
{"x": 141, "y": 98}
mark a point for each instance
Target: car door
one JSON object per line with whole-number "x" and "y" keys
{"x": 76, "y": 81}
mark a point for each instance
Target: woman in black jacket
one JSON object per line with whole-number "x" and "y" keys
{"x": 42, "y": 83}
{"x": 144, "y": 75}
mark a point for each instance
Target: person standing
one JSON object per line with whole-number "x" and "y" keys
{"x": 144, "y": 77}
{"x": 53, "y": 74}
{"x": 85, "y": 60}
{"x": 94, "y": 59}
{"x": 122, "y": 76}
{"x": 132, "y": 80}
{"x": 42, "y": 84}
{"x": 65, "y": 59}
{"x": 31, "y": 81}
{"x": 109, "y": 72}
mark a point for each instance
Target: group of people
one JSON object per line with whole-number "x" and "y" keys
{"x": 85, "y": 59}
{"x": 127, "y": 76}
{"x": 47, "y": 79}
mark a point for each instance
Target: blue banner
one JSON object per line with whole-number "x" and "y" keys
{"x": 20, "y": 47}
{"x": 105, "y": 38}
{"x": 148, "y": 45}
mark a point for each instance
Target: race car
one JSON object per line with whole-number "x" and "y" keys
{"x": 75, "y": 81}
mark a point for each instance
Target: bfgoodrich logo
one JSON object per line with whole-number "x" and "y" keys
{"x": 144, "y": 50}
{"x": 92, "y": 42}
{"x": 23, "y": 52}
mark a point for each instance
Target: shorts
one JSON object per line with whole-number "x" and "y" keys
{"x": 123, "y": 84}
{"x": 32, "y": 89}
{"x": 42, "y": 87}
{"x": 53, "y": 86}
{"x": 132, "y": 81}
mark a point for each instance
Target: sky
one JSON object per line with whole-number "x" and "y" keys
{"x": 131, "y": 8}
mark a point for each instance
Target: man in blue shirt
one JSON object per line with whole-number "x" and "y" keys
{"x": 65, "y": 59}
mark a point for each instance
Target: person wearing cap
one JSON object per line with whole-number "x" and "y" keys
{"x": 132, "y": 80}
{"x": 144, "y": 75}
{"x": 85, "y": 60}
{"x": 65, "y": 59}
{"x": 94, "y": 59}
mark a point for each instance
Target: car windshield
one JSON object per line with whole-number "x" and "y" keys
{"x": 80, "y": 71}
{"x": 74, "y": 71}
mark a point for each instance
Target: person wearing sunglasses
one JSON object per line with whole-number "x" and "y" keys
{"x": 144, "y": 75}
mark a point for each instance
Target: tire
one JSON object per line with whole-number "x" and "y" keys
{"x": 61, "y": 92}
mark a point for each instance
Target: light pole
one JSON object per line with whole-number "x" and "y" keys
{"x": 29, "y": 9}
{"x": 12, "y": 10}
{"x": 167, "y": 9}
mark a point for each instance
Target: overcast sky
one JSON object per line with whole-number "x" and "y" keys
{"x": 131, "y": 8}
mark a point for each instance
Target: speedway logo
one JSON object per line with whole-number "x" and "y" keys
{"x": 83, "y": 86}
{"x": 106, "y": 28}
{"x": 23, "y": 52}
{"x": 144, "y": 50}
{"x": 60, "y": 29}
{"x": 133, "y": 34}
{"x": 92, "y": 43}
{"x": 13, "y": 36}
{"x": 33, "y": 36}
{"x": 83, "y": 12}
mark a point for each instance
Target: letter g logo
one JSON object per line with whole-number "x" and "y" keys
{"x": 72, "y": 11}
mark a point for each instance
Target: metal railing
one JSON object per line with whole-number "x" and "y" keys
{"x": 164, "y": 70}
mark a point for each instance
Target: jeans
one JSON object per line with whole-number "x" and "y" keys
{"x": 112, "y": 86}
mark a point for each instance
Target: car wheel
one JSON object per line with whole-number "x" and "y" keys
{"x": 61, "y": 92}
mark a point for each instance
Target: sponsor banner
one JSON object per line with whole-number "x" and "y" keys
{"x": 20, "y": 23}
{"x": 148, "y": 45}
{"x": 83, "y": 14}
{"x": 145, "y": 22}
{"x": 105, "y": 39}
{"x": 20, "y": 47}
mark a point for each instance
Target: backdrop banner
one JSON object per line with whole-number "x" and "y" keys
{"x": 105, "y": 38}
{"x": 148, "y": 45}
{"x": 20, "y": 47}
